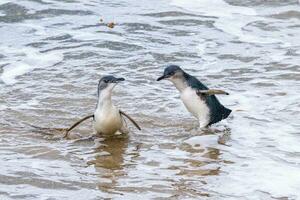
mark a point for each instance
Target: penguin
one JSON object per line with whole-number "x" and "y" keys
{"x": 199, "y": 100}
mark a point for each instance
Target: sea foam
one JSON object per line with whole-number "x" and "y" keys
{"x": 230, "y": 19}
{"x": 24, "y": 61}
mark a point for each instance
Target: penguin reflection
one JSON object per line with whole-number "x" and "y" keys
{"x": 110, "y": 152}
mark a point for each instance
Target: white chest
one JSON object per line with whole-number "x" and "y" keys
{"x": 107, "y": 120}
{"x": 195, "y": 105}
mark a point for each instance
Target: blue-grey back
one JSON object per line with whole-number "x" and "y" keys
{"x": 217, "y": 110}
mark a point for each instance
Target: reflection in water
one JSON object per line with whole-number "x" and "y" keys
{"x": 109, "y": 161}
{"x": 110, "y": 153}
{"x": 205, "y": 157}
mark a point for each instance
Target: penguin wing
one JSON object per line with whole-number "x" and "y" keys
{"x": 217, "y": 110}
{"x": 76, "y": 124}
{"x": 203, "y": 90}
{"x": 130, "y": 119}
{"x": 210, "y": 92}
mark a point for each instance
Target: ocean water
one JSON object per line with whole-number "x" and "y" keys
{"x": 53, "y": 53}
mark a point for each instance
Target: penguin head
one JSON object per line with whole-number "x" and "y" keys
{"x": 172, "y": 72}
{"x": 107, "y": 83}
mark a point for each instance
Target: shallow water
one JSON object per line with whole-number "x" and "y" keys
{"x": 52, "y": 54}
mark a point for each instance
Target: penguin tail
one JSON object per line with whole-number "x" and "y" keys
{"x": 222, "y": 113}
{"x": 226, "y": 113}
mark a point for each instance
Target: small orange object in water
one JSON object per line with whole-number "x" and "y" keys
{"x": 111, "y": 25}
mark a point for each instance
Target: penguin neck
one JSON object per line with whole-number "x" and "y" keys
{"x": 180, "y": 83}
{"x": 104, "y": 99}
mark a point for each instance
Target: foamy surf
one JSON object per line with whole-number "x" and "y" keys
{"x": 29, "y": 59}
{"x": 230, "y": 19}
{"x": 214, "y": 8}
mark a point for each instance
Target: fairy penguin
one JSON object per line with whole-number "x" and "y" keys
{"x": 107, "y": 118}
{"x": 204, "y": 106}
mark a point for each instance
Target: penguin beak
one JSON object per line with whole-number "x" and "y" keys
{"x": 117, "y": 80}
{"x": 161, "y": 78}
{"x": 120, "y": 79}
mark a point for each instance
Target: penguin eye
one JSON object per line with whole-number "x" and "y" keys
{"x": 105, "y": 81}
{"x": 171, "y": 73}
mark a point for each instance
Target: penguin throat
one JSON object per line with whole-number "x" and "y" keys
{"x": 104, "y": 98}
{"x": 179, "y": 83}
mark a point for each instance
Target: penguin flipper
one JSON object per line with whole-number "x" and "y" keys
{"x": 210, "y": 92}
{"x": 76, "y": 124}
{"x": 130, "y": 119}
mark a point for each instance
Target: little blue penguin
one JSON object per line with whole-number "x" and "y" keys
{"x": 107, "y": 117}
{"x": 197, "y": 98}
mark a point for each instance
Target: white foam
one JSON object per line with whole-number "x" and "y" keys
{"x": 217, "y": 8}
{"x": 234, "y": 26}
{"x": 230, "y": 19}
{"x": 9, "y": 73}
{"x": 203, "y": 141}
{"x": 38, "y": 30}
{"x": 84, "y": 35}
{"x": 261, "y": 163}
{"x": 259, "y": 173}
{"x": 4, "y": 2}
{"x": 3, "y": 107}
{"x": 203, "y": 45}
{"x": 24, "y": 61}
